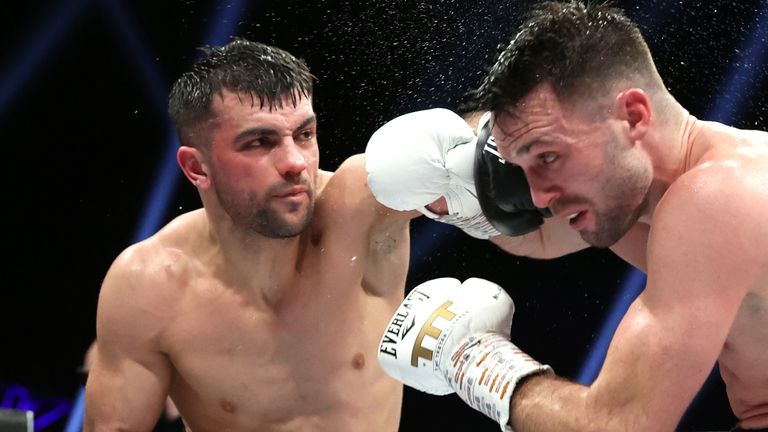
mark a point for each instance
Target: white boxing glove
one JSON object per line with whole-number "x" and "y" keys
{"x": 449, "y": 336}
{"x": 419, "y": 157}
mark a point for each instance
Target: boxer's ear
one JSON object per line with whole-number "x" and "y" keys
{"x": 634, "y": 107}
{"x": 193, "y": 165}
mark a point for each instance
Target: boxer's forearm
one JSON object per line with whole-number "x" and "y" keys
{"x": 547, "y": 403}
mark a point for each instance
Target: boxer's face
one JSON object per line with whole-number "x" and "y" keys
{"x": 580, "y": 169}
{"x": 264, "y": 163}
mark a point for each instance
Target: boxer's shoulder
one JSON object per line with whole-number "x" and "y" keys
{"x": 729, "y": 154}
{"x": 717, "y": 202}
{"x": 715, "y": 184}
{"x": 140, "y": 283}
{"x": 343, "y": 187}
{"x": 340, "y": 209}
{"x": 158, "y": 266}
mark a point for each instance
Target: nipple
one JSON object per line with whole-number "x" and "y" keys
{"x": 227, "y": 406}
{"x": 358, "y": 361}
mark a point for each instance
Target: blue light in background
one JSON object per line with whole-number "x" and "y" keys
{"x": 228, "y": 17}
{"x": 30, "y": 58}
{"x": 75, "y": 420}
{"x": 630, "y": 288}
{"x": 745, "y": 69}
{"x": 166, "y": 180}
{"x": 167, "y": 177}
{"x": 50, "y": 417}
{"x": 138, "y": 56}
{"x": 17, "y": 397}
{"x": 47, "y": 410}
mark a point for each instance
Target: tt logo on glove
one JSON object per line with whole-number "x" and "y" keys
{"x": 398, "y": 329}
{"x": 429, "y": 329}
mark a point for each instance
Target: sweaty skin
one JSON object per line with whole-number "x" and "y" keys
{"x": 247, "y": 332}
{"x": 706, "y": 298}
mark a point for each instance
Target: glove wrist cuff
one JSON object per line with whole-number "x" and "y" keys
{"x": 484, "y": 371}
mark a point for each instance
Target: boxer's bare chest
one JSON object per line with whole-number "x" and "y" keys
{"x": 242, "y": 359}
{"x": 744, "y": 358}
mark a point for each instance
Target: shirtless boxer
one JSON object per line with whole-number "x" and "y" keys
{"x": 578, "y": 104}
{"x": 263, "y": 310}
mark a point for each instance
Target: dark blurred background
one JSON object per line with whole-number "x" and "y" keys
{"x": 89, "y": 157}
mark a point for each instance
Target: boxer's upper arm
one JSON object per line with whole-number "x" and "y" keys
{"x": 698, "y": 274}
{"x": 128, "y": 382}
{"x": 383, "y": 231}
{"x": 369, "y": 214}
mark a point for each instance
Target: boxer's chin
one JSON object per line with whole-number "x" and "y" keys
{"x": 272, "y": 223}
{"x": 610, "y": 227}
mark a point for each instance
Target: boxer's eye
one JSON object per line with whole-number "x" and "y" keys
{"x": 547, "y": 158}
{"x": 259, "y": 142}
{"x": 306, "y": 135}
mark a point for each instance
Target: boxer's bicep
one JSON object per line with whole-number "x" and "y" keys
{"x": 124, "y": 394}
{"x": 128, "y": 381}
{"x": 358, "y": 218}
{"x": 364, "y": 214}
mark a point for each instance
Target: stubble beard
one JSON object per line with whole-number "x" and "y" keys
{"x": 268, "y": 222}
{"x": 255, "y": 215}
{"x": 612, "y": 224}
{"x": 626, "y": 186}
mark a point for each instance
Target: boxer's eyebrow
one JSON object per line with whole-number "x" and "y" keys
{"x": 257, "y": 131}
{"x": 310, "y": 120}
{"x": 267, "y": 131}
{"x": 526, "y": 148}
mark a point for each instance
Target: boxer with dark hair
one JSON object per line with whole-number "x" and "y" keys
{"x": 578, "y": 105}
{"x": 262, "y": 310}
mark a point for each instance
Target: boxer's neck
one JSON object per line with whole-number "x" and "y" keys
{"x": 668, "y": 146}
{"x": 253, "y": 262}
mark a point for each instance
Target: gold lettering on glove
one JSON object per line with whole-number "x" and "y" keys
{"x": 429, "y": 329}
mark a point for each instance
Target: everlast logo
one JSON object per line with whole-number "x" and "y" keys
{"x": 400, "y": 325}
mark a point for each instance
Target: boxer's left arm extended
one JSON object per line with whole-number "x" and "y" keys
{"x": 129, "y": 378}
{"x": 417, "y": 158}
{"x": 432, "y": 161}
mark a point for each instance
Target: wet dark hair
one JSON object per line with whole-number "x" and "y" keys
{"x": 249, "y": 68}
{"x": 578, "y": 48}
